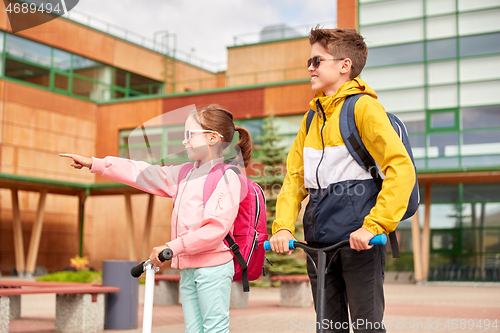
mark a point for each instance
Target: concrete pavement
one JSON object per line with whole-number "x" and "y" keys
{"x": 409, "y": 308}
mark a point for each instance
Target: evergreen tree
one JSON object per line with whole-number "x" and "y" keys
{"x": 271, "y": 155}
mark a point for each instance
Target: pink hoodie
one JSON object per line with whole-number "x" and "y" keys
{"x": 197, "y": 231}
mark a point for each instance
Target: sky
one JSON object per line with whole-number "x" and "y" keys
{"x": 206, "y": 28}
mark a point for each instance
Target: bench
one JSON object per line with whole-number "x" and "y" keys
{"x": 166, "y": 292}
{"x": 79, "y": 306}
{"x": 295, "y": 291}
{"x": 166, "y": 289}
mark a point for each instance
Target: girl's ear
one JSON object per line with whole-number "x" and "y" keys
{"x": 214, "y": 137}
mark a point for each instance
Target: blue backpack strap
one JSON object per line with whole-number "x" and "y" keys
{"x": 352, "y": 139}
{"x": 358, "y": 151}
{"x": 310, "y": 116}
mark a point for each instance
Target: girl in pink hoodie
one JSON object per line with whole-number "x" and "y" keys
{"x": 205, "y": 262}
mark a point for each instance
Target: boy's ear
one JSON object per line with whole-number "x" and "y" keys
{"x": 346, "y": 65}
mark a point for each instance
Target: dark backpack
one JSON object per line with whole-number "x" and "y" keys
{"x": 250, "y": 226}
{"x": 358, "y": 151}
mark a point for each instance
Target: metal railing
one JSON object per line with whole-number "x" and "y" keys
{"x": 162, "y": 43}
{"x": 279, "y": 32}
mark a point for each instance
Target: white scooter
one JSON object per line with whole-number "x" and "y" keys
{"x": 147, "y": 266}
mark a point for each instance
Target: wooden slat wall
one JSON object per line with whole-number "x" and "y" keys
{"x": 36, "y": 126}
{"x": 267, "y": 57}
{"x": 190, "y": 78}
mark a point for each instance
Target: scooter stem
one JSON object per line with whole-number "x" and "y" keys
{"x": 147, "y": 320}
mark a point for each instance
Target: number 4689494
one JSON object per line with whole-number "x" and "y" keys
{"x": 462, "y": 324}
{"x": 33, "y": 8}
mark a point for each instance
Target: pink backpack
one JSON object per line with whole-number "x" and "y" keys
{"x": 250, "y": 226}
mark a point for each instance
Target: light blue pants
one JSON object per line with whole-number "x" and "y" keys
{"x": 205, "y": 294}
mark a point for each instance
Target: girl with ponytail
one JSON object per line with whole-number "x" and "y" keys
{"x": 197, "y": 229}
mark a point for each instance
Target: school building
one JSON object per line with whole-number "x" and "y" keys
{"x": 80, "y": 85}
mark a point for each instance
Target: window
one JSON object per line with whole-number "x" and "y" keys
{"x": 479, "y": 44}
{"x": 63, "y": 72}
{"x": 441, "y": 49}
{"x": 481, "y": 117}
{"x": 443, "y": 120}
{"x": 155, "y": 145}
{"x": 395, "y": 54}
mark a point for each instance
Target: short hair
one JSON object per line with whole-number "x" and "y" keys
{"x": 342, "y": 43}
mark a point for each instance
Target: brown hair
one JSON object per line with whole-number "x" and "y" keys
{"x": 215, "y": 118}
{"x": 342, "y": 43}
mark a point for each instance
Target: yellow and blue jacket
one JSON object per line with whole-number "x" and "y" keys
{"x": 342, "y": 195}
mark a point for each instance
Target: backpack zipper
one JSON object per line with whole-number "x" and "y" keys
{"x": 256, "y": 235}
{"x": 178, "y": 211}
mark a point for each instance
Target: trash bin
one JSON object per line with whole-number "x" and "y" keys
{"x": 121, "y": 307}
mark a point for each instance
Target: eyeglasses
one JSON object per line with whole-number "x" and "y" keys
{"x": 315, "y": 61}
{"x": 188, "y": 133}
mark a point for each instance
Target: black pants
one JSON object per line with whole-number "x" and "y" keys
{"x": 355, "y": 280}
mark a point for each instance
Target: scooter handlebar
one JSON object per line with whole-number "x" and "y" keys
{"x": 164, "y": 255}
{"x": 376, "y": 240}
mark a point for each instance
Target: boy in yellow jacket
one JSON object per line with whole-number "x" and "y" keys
{"x": 344, "y": 201}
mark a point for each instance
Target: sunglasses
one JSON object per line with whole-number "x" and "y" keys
{"x": 188, "y": 134}
{"x": 315, "y": 61}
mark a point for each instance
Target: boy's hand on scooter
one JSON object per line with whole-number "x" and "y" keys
{"x": 79, "y": 161}
{"x": 280, "y": 240}
{"x": 155, "y": 253}
{"x": 360, "y": 238}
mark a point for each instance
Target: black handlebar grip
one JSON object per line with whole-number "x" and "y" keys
{"x": 137, "y": 270}
{"x": 166, "y": 254}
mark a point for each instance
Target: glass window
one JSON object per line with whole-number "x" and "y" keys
{"x": 444, "y": 216}
{"x": 61, "y": 60}
{"x": 483, "y": 192}
{"x": 61, "y": 82}
{"x": 26, "y": 72}
{"x": 254, "y": 126}
{"x": 120, "y": 79}
{"x": 480, "y": 143}
{"x": 481, "y": 161}
{"x": 417, "y": 143}
{"x": 139, "y": 83}
{"x": 28, "y": 50}
{"x": 443, "y": 144}
{"x": 441, "y": 49}
{"x": 82, "y": 87}
{"x": 442, "y": 119}
{"x": 414, "y": 121}
{"x": 481, "y": 117}
{"x": 444, "y": 193}
{"x": 480, "y": 44}
{"x": 395, "y": 54}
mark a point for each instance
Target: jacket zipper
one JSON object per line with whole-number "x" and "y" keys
{"x": 319, "y": 108}
{"x": 178, "y": 211}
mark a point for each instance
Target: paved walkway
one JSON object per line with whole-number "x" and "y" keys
{"x": 409, "y": 308}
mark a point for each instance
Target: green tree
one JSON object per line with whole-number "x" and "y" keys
{"x": 271, "y": 155}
